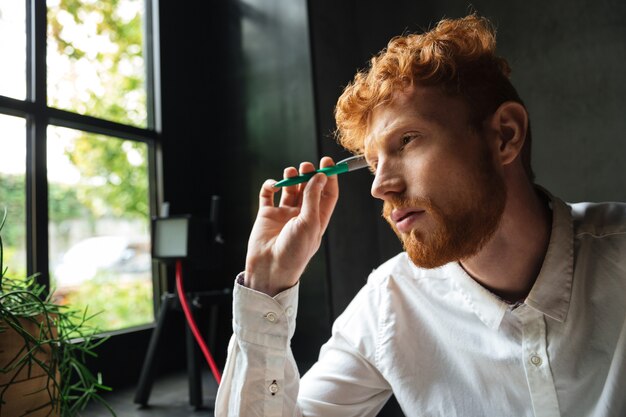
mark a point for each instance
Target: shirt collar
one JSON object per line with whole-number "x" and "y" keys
{"x": 552, "y": 290}
{"x": 486, "y": 305}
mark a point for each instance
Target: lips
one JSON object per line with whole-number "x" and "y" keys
{"x": 404, "y": 218}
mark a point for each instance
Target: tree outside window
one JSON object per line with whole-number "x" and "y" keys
{"x": 98, "y": 184}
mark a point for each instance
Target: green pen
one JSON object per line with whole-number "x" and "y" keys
{"x": 346, "y": 165}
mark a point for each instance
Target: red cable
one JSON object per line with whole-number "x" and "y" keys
{"x": 192, "y": 323}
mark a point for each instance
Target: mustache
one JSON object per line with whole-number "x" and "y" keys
{"x": 401, "y": 202}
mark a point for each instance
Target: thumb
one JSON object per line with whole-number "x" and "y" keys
{"x": 312, "y": 197}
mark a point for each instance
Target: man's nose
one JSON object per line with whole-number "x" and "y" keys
{"x": 387, "y": 181}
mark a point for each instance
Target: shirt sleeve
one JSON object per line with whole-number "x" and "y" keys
{"x": 261, "y": 376}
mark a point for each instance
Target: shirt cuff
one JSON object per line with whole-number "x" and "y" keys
{"x": 264, "y": 320}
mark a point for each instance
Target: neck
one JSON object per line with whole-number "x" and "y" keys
{"x": 510, "y": 262}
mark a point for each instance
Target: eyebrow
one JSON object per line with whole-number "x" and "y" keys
{"x": 394, "y": 131}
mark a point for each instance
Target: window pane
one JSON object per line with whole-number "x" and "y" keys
{"x": 99, "y": 226}
{"x": 13, "y": 193}
{"x": 95, "y": 59}
{"x": 13, "y": 49}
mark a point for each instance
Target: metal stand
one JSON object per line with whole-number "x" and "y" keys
{"x": 169, "y": 304}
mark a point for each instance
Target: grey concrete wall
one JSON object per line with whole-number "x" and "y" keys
{"x": 569, "y": 66}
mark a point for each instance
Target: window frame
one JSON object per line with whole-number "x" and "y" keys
{"x": 38, "y": 115}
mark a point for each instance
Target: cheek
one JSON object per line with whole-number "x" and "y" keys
{"x": 433, "y": 175}
{"x": 445, "y": 180}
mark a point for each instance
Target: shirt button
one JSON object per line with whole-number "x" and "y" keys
{"x": 271, "y": 317}
{"x": 273, "y": 388}
{"x": 536, "y": 360}
{"x": 289, "y": 311}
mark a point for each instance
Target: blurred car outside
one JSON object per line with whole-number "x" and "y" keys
{"x": 118, "y": 258}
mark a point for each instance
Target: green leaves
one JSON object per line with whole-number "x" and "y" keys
{"x": 55, "y": 339}
{"x": 122, "y": 168}
{"x": 105, "y": 40}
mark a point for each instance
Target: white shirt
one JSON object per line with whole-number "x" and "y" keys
{"x": 446, "y": 346}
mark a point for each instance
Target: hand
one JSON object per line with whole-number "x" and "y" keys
{"x": 285, "y": 238}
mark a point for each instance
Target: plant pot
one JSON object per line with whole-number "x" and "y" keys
{"x": 26, "y": 389}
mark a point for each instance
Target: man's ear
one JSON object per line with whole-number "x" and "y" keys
{"x": 510, "y": 123}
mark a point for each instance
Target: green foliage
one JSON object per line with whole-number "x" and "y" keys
{"x": 13, "y": 199}
{"x": 77, "y": 385}
{"x": 63, "y": 203}
{"x": 124, "y": 192}
{"x": 64, "y": 332}
{"x": 122, "y": 305}
{"x": 125, "y": 189}
{"x": 120, "y": 85}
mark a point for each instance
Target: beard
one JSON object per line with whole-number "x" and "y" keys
{"x": 462, "y": 226}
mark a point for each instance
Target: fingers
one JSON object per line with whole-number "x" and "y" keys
{"x": 329, "y": 196}
{"x": 326, "y": 162}
{"x": 311, "y": 198}
{"x": 266, "y": 195}
{"x": 289, "y": 195}
{"x": 293, "y": 196}
{"x": 332, "y": 186}
{"x": 320, "y": 197}
{"x": 305, "y": 167}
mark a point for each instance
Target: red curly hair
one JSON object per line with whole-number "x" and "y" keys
{"x": 458, "y": 55}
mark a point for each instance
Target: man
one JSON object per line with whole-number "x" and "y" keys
{"x": 507, "y": 301}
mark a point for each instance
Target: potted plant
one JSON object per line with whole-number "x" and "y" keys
{"x": 43, "y": 347}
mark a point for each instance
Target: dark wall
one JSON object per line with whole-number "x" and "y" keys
{"x": 277, "y": 128}
{"x": 569, "y": 61}
{"x": 192, "y": 97}
{"x": 237, "y": 108}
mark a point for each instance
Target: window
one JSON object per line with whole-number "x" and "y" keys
{"x": 95, "y": 61}
{"x": 13, "y": 192}
{"x": 78, "y": 131}
{"x": 13, "y": 48}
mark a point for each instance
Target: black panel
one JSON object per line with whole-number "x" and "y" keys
{"x": 276, "y": 129}
{"x": 237, "y": 108}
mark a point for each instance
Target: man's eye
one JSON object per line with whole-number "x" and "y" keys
{"x": 406, "y": 139}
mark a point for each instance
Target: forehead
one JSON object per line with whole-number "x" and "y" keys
{"x": 419, "y": 107}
